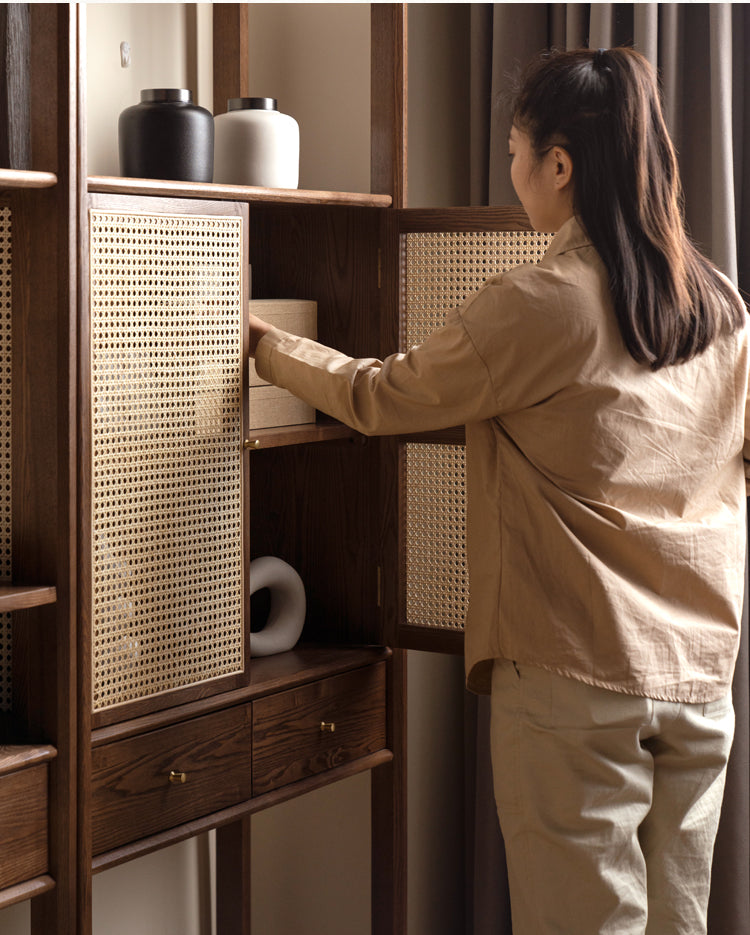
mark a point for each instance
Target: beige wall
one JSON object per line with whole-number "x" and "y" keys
{"x": 311, "y": 868}
{"x": 157, "y": 34}
{"x": 314, "y": 58}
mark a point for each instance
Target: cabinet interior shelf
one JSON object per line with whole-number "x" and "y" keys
{"x": 321, "y": 431}
{"x": 19, "y": 596}
{"x": 124, "y": 186}
{"x": 26, "y": 178}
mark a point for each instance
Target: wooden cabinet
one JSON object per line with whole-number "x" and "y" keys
{"x": 140, "y": 496}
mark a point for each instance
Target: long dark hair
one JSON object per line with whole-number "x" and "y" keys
{"x": 604, "y": 108}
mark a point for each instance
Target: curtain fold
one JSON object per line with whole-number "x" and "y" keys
{"x": 699, "y": 51}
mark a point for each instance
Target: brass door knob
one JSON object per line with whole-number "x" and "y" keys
{"x": 327, "y": 727}
{"x": 177, "y": 778}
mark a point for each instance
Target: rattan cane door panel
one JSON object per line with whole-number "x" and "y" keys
{"x": 5, "y": 449}
{"x": 439, "y": 269}
{"x": 167, "y": 490}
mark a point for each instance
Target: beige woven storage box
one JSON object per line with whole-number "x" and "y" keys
{"x": 270, "y": 406}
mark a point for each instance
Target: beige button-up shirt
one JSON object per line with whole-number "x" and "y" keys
{"x": 606, "y": 502}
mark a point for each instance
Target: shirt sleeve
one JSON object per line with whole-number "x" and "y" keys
{"x": 440, "y": 383}
{"x": 746, "y": 447}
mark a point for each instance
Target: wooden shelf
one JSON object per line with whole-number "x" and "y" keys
{"x": 122, "y": 186}
{"x": 323, "y": 430}
{"x": 28, "y": 890}
{"x": 21, "y": 597}
{"x": 25, "y": 178}
{"x": 14, "y": 757}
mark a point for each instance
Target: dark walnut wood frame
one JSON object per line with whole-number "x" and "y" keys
{"x": 207, "y": 761}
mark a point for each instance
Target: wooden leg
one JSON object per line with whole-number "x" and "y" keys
{"x": 233, "y": 878}
{"x": 389, "y": 815}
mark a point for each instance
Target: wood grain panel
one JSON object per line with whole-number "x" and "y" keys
{"x": 23, "y": 825}
{"x": 230, "y": 53}
{"x": 326, "y": 253}
{"x": 444, "y": 220}
{"x": 15, "y": 98}
{"x": 132, "y": 794}
{"x": 289, "y": 741}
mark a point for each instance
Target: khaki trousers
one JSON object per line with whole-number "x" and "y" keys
{"x": 608, "y": 804}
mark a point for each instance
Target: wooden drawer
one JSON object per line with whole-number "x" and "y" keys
{"x": 23, "y": 824}
{"x": 289, "y": 742}
{"x": 133, "y": 795}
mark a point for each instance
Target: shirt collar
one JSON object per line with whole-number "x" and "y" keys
{"x": 571, "y": 236}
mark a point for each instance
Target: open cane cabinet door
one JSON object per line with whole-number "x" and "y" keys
{"x": 440, "y": 258}
{"x": 376, "y": 526}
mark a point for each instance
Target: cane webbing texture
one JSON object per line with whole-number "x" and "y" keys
{"x": 442, "y": 269}
{"x": 437, "y": 589}
{"x": 5, "y": 450}
{"x": 439, "y": 271}
{"x": 166, "y": 510}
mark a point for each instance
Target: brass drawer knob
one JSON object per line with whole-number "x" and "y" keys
{"x": 327, "y": 727}
{"x": 251, "y": 443}
{"x": 177, "y": 778}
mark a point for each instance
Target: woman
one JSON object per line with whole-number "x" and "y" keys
{"x": 604, "y": 395}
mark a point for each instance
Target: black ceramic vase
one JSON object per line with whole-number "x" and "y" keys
{"x": 166, "y": 136}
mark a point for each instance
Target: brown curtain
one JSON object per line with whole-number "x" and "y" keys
{"x": 699, "y": 50}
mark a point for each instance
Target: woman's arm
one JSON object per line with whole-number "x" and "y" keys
{"x": 257, "y": 329}
{"x": 441, "y": 383}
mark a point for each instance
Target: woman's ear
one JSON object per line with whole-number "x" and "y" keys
{"x": 563, "y": 167}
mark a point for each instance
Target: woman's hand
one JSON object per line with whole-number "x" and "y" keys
{"x": 257, "y": 329}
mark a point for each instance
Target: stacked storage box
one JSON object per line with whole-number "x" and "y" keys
{"x": 269, "y": 405}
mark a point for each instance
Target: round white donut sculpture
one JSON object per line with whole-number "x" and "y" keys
{"x": 287, "y": 615}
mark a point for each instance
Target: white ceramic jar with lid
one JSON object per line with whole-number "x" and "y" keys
{"x": 255, "y": 144}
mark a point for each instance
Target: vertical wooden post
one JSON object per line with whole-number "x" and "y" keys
{"x": 388, "y": 170}
{"x": 233, "y": 916}
{"x": 231, "y": 53}
{"x": 389, "y": 896}
{"x": 15, "y": 44}
{"x": 233, "y": 842}
{"x": 45, "y": 309}
{"x": 388, "y": 145}
{"x": 231, "y": 64}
